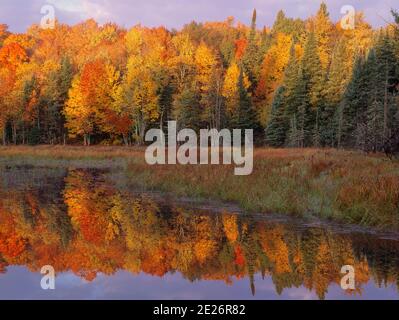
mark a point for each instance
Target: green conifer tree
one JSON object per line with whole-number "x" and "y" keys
{"x": 333, "y": 92}
{"x": 187, "y": 110}
{"x": 251, "y": 60}
{"x": 56, "y": 96}
{"x": 388, "y": 78}
{"x": 375, "y": 127}
{"x": 245, "y": 117}
{"x": 277, "y": 127}
{"x": 352, "y": 106}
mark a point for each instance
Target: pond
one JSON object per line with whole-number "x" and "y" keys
{"x": 107, "y": 241}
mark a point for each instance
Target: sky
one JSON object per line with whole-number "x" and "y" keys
{"x": 20, "y": 283}
{"x": 19, "y": 14}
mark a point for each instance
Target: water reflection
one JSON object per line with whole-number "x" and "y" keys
{"x": 79, "y": 222}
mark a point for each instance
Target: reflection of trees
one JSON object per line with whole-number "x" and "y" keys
{"x": 84, "y": 225}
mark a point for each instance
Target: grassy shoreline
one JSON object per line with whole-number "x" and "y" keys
{"x": 343, "y": 186}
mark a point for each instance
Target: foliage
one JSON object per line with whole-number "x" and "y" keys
{"x": 104, "y": 84}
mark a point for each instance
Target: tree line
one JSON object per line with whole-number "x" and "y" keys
{"x": 300, "y": 83}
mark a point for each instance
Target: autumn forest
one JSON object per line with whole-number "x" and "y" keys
{"x": 300, "y": 83}
{"x": 78, "y": 194}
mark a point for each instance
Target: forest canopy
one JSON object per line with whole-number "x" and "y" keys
{"x": 299, "y": 83}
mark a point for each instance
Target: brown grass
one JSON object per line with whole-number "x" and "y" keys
{"x": 69, "y": 152}
{"x": 345, "y": 186}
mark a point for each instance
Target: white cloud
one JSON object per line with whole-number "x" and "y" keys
{"x": 85, "y": 8}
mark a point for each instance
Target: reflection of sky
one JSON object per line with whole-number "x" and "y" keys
{"x": 18, "y": 283}
{"x": 19, "y": 14}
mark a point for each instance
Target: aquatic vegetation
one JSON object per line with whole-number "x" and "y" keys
{"x": 345, "y": 186}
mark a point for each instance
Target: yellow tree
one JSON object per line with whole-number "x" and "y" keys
{"x": 208, "y": 79}
{"x": 78, "y": 115}
{"x": 230, "y": 87}
{"x": 12, "y": 57}
{"x": 230, "y": 227}
{"x": 6, "y": 83}
{"x": 324, "y": 32}
{"x": 272, "y": 74}
{"x": 358, "y": 40}
{"x": 158, "y": 54}
{"x": 205, "y": 62}
{"x": 139, "y": 95}
{"x": 92, "y": 95}
{"x": 134, "y": 40}
{"x": 182, "y": 63}
{"x": 147, "y": 71}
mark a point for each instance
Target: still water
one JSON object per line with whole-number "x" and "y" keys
{"x": 107, "y": 242}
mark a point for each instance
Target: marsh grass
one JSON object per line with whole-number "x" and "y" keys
{"x": 345, "y": 186}
{"x": 69, "y": 156}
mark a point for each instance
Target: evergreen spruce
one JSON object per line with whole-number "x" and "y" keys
{"x": 245, "y": 117}
{"x": 252, "y": 60}
{"x": 333, "y": 93}
{"x": 351, "y": 106}
{"x": 300, "y": 114}
{"x": 375, "y": 127}
{"x": 59, "y": 84}
{"x": 291, "y": 78}
{"x": 388, "y": 77}
{"x": 293, "y": 134}
{"x": 277, "y": 127}
{"x": 304, "y": 115}
{"x": 186, "y": 109}
{"x": 312, "y": 72}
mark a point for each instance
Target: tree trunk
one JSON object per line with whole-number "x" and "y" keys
{"x": 125, "y": 140}
{"x": 161, "y": 125}
{"x": 385, "y": 133}
{"x": 4, "y": 135}
{"x": 340, "y": 123}
{"x": 14, "y": 133}
{"x": 141, "y": 131}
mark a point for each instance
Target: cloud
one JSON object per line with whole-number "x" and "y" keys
{"x": 84, "y": 8}
{"x": 19, "y": 14}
